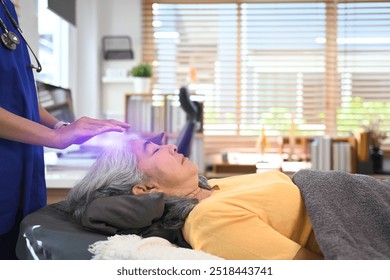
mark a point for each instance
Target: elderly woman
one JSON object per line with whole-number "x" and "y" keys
{"x": 256, "y": 216}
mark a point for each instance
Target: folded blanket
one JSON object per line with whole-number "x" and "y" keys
{"x": 134, "y": 247}
{"x": 350, "y": 213}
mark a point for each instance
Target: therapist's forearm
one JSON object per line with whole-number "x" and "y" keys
{"x": 16, "y": 128}
{"x": 46, "y": 118}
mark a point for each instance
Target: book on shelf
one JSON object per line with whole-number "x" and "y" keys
{"x": 156, "y": 122}
{"x": 327, "y": 154}
{"x": 176, "y": 117}
{"x": 145, "y": 114}
{"x": 342, "y": 156}
{"x": 321, "y": 153}
{"x": 156, "y": 113}
{"x": 139, "y": 114}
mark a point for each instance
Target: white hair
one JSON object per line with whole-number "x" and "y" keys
{"x": 114, "y": 172}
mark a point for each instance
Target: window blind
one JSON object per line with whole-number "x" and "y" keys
{"x": 315, "y": 67}
{"x": 364, "y": 64}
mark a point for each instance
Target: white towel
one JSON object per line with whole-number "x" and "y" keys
{"x": 134, "y": 247}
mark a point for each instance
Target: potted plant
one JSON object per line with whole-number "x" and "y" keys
{"x": 376, "y": 138}
{"x": 142, "y": 74}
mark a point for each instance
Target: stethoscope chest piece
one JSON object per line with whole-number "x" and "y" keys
{"x": 10, "y": 40}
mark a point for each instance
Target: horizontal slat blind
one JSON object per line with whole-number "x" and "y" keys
{"x": 321, "y": 67}
{"x": 364, "y": 64}
{"x": 202, "y": 38}
{"x": 283, "y": 67}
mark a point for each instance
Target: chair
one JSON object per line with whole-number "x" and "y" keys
{"x": 192, "y": 109}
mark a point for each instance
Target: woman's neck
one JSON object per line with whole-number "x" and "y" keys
{"x": 202, "y": 193}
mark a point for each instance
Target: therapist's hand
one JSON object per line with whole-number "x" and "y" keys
{"x": 84, "y": 129}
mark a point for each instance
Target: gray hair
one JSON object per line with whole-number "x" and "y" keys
{"x": 115, "y": 172}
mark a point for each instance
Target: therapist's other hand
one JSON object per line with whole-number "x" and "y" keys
{"x": 84, "y": 129}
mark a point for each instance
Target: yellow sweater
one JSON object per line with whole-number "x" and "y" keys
{"x": 256, "y": 216}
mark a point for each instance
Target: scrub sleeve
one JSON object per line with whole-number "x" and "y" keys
{"x": 22, "y": 187}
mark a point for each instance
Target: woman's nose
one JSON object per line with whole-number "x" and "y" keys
{"x": 172, "y": 148}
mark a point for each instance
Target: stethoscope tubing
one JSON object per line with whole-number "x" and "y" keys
{"x": 10, "y": 40}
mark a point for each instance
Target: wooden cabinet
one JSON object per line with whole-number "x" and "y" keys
{"x": 55, "y": 195}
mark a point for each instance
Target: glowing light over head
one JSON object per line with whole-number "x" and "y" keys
{"x": 109, "y": 139}
{"x": 114, "y": 140}
{"x": 158, "y": 139}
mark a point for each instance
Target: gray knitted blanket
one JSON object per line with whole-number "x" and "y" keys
{"x": 350, "y": 213}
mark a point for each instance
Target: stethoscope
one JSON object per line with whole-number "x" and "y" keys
{"x": 11, "y": 41}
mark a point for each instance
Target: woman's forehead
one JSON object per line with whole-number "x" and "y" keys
{"x": 157, "y": 139}
{"x": 141, "y": 147}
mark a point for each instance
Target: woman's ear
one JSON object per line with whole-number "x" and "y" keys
{"x": 140, "y": 189}
{"x": 143, "y": 189}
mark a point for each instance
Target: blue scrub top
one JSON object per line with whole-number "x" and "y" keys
{"x": 22, "y": 171}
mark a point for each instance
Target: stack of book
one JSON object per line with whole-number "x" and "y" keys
{"x": 175, "y": 116}
{"x": 145, "y": 114}
{"x": 329, "y": 155}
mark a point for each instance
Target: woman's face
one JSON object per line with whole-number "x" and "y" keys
{"x": 169, "y": 171}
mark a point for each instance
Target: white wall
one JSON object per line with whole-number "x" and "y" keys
{"x": 95, "y": 18}
{"x": 28, "y": 22}
{"x": 87, "y": 101}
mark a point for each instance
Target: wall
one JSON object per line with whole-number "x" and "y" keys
{"x": 28, "y": 21}
{"x": 87, "y": 44}
{"x": 95, "y": 18}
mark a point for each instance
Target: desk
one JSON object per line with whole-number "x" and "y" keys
{"x": 63, "y": 175}
{"x": 60, "y": 181}
{"x": 222, "y": 170}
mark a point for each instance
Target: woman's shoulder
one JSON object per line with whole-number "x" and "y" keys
{"x": 248, "y": 178}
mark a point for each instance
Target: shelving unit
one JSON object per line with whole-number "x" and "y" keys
{"x": 331, "y": 153}
{"x": 115, "y": 82}
{"x": 151, "y": 114}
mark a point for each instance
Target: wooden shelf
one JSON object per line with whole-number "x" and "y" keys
{"x": 233, "y": 168}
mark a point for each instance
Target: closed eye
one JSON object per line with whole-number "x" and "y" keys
{"x": 155, "y": 151}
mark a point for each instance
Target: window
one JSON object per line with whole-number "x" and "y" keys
{"x": 364, "y": 66}
{"x": 53, "y": 47}
{"x": 318, "y": 67}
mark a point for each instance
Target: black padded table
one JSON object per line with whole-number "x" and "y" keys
{"x": 48, "y": 234}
